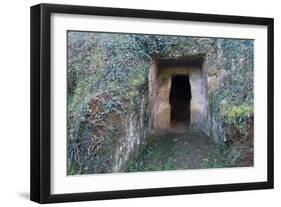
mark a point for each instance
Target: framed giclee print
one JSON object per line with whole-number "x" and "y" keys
{"x": 132, "y": 103}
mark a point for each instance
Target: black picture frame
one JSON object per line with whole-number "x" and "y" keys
{"x": 41, "y": 99}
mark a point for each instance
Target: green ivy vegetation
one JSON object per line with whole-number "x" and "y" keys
{"x": 237, "y": 114}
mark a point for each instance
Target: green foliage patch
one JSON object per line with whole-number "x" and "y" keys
{"x": 157, "y": 154}
{"x": 237, "y": 114}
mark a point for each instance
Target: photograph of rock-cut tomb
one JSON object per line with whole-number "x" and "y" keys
{"x": 146, "y": 102}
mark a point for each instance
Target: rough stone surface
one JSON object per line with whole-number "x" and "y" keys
{"x": 135, "y": 133}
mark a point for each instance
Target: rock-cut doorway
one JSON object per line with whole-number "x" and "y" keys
{"x": 178, "y": 93}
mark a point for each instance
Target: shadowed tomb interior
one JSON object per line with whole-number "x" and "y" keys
{"x": 180, "y": 97}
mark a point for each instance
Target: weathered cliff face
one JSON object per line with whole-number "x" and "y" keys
{"x": 108, "y": 97}
{"x": 107, "y": 101}
{"x": 231, "y": 90}
{"x": 135, "y": 132}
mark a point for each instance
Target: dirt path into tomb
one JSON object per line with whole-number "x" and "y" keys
{"x": 188, "y": 149}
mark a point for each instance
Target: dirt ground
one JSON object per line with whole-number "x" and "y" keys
{"x": 182, "y": 149}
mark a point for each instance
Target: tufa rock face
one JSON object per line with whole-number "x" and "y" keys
{"x": 135, "y": 133}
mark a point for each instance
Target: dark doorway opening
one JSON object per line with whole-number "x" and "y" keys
{"x": 180, "y": 97}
